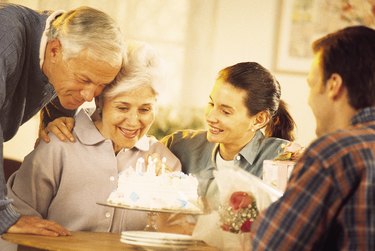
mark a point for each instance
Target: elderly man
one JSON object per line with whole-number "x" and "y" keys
{"x": 69, "y": 54}
{"x": 329, "y": 200}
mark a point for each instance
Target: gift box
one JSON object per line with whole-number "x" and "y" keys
{"x": 276, "y": 173}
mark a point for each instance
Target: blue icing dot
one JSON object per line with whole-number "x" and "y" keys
{"x": 183, "y": 203}
{"x": 134, "y": 197}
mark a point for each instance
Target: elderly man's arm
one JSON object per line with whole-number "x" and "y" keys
{"x": 8, "y": 214}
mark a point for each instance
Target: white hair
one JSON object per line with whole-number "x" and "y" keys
{"x": 88, "y": 29}
{"x": 144, "y": 68}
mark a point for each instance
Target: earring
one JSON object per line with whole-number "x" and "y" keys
{"x": 252, "y": 128}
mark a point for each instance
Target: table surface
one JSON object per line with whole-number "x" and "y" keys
{"x": 81, "y": 241}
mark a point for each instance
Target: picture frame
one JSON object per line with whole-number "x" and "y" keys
{"x": 304, "y": 21}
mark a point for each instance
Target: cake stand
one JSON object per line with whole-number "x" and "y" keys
{"x": 152, "y": 213}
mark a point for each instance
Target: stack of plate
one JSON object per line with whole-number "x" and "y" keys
{"x": 158, "y": 239}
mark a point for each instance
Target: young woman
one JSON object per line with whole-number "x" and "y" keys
{"x": 244, "y": 99}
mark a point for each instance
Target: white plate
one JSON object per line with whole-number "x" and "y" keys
{"x": 161, "y": 210}
{"x": 163, "y": 241}
{"x": 146, "y": 235}
{"x": 158, "y": 240}
{"x": 155, "y": 245}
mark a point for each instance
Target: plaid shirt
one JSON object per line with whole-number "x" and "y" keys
{"x": 329, "y": 203}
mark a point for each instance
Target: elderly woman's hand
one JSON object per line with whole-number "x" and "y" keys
{"x": 62, "y": 127}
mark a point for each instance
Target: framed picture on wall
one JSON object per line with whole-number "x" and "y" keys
{"x": 303, "y": 21}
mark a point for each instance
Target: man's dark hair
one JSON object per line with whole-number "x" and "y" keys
{"x": 350, "y": 52}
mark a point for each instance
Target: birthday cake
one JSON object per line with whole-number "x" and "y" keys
{"x": 144, "y": 189}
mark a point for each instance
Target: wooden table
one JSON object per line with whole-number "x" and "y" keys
{"x": 80, "y": 241}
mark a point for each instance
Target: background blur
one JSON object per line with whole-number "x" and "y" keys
{"x": 196, "y": 38}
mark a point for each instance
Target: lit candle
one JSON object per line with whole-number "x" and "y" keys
{"x": 139, "y": 166}
{"x": 151, "y": 166}
{"x": 163, "y": 164}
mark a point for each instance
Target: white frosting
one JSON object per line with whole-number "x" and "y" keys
{"x": 170, "y": 191}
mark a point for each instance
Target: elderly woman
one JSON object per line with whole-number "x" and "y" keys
{"x": 63, "y": 181}
{"x": 244, "y": 99}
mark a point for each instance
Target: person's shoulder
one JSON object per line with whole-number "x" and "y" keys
{"x": 340, "y": 143}
{"x": 265, "y": 147}
{"x": 10, "y": 8}
{"x": 43, "y": 151}
{"x": 156, "y": 146}
{"x": 14, "y": 11}
{"x": 337, "y": 138}
{"x": 272, "y": 144}
{"x": 18, "y": 26}
{"x": 183, "y": 136}
{"x": 154, "y": 142}
{"x": 11, "y": 18}
{"x": 274, "y": 141}
{"x": 189, "y": 133}
{"x": 55, "y": 144}
{"x": 188, "y": 141}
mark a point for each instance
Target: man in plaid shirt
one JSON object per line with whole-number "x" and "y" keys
{"x": 329, "y": 203}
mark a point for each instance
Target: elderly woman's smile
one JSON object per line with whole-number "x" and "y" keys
{"x": 127, "y": 117}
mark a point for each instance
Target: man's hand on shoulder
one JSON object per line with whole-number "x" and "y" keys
{"x": 62, "y": 127}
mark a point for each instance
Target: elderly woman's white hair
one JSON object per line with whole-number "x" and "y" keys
{"x": 88, "y": 29}
{"x": 143, "y": 68}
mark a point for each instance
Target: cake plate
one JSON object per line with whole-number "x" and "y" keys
{"x": 150, "y": 209}
{"x": 152, "y": 213}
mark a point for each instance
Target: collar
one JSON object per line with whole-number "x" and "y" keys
{"x": 85, "y": 129}
{"x": 44, "y": 39}
{"x": 364, "y": 115}
{"x": 143, "y": 143}
{"x": 249, "y": 151}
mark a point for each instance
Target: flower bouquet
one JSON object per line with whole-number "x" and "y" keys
{"x": 242, "y": 196}
{"x": 290, "y": 152}
{"x": 238, "y": 214}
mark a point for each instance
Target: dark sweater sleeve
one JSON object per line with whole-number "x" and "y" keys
{"x": 54, "y": 110}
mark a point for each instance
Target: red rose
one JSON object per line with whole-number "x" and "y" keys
{"x": 246, "y": 226}
{"x": 240, "y": 200}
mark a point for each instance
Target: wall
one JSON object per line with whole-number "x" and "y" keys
{"x": 246, "y": 30}
{"x": 242, "y": 30}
